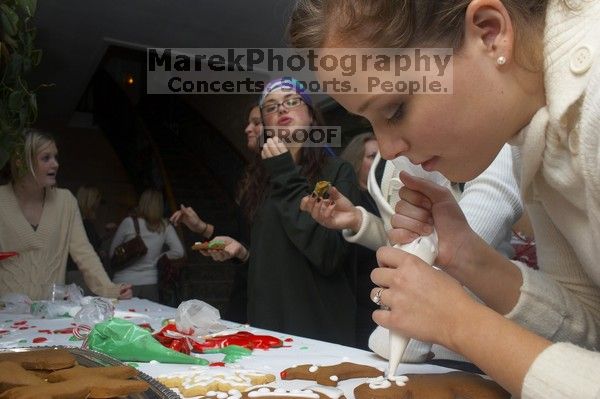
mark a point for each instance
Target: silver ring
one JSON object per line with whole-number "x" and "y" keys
{"x": 377, "y": 297}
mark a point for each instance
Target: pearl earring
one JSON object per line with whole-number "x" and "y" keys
{"x": 501, "y": 60}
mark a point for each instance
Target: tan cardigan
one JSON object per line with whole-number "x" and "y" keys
{"x": 43, "y": 253}
{"x": 560, "y": 175}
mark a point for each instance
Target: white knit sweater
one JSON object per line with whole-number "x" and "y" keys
{"x": 43, "y": 253}
{"x": 560, "y": 152}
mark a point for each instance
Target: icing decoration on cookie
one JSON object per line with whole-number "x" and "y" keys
{"x": 38, "y": 340}
{"x": 314, "y": 392}
{"x": 199, "y": 383}
{"x": 330, "y": 375}
{"x": 273, "y": 393}
{"x": 329, "y": 392}
{"x": 449, "y": 385}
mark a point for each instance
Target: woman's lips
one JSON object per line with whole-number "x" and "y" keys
{"x": 286, "y": 120}
{"x": 429, "y": 165}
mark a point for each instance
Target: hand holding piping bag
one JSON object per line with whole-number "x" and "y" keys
{"x": 421, "y": 202}
{"x": 426, "y": 248}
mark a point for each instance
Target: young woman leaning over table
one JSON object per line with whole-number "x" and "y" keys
{"x": 525, "y": 72}
{"x": 42, "y": 223}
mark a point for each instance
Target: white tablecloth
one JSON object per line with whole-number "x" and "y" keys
{"x": 20, "y": 330}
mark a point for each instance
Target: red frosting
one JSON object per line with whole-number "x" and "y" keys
{"x": 242, "y": 338}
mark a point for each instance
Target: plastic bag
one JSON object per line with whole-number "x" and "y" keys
{"x": 15, "y": 303}
{"x": 62, "y": 292}
{"x": 53, "y": 309}
{"x": 125, "y": 341}
{"x": 94, "y": 310}
{"x": 198, "y": 318}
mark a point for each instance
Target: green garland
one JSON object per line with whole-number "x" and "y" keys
{"x": 18, "y": 56}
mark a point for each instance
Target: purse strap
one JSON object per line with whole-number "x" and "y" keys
{"x": 136, "y": 224}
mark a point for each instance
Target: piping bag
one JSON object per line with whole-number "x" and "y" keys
{"x": 426, "y": 248}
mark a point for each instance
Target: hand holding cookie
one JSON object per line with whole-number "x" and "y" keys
{"x": 223, "y": 248}
{"x": 336, "y": 212}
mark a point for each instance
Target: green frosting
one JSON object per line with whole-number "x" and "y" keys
{"x": 232, "y": 353}
{"x": 215, "y": 243}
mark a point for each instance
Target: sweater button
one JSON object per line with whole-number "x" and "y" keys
{"x": 581, "y": 60}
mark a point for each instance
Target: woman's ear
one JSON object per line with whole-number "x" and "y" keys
{"x": 489, "y": 30}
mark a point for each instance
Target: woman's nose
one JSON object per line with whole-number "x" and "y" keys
{"x": 392, "y": 147}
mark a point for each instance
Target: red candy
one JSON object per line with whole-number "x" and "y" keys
{"x": 39, "y": 340}
{"x": 217, "y": 364}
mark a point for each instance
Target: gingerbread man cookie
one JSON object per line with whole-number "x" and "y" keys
{"x": 43, "y": 359}
{"x": 452, "y": 385}
{"x": 330, "y": 375}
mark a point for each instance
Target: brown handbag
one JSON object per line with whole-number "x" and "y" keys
{"x": 129, "y": 251}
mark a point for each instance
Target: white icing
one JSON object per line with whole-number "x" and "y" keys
{"x": 330, "y": 392}
{"x": 334, "y": 378}
{"x": 313, "y": 368}
{"x": 379, "y": 383}
{"x": 222, "y": 395}
{"x": 154, "y": 362}
{"x": 400, "y": 380}
{"x": 266, "y": 393}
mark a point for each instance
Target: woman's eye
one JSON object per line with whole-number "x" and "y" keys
{"x": 397, "y": 115}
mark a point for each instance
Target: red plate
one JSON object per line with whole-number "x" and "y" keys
{"x": 6, "y": 255}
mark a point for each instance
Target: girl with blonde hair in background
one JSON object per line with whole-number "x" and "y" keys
{"x": 43, "y": 224}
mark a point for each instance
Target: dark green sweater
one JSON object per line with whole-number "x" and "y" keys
{"x": 302, "y": 276}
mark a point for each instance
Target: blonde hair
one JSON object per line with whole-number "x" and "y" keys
{"x": 410, "y": 23}
{"x": 151, "y": 208}
{"x": 355, "y": 150}
{"x": 88, "y": 199}
{"x": 24, "y": 160}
